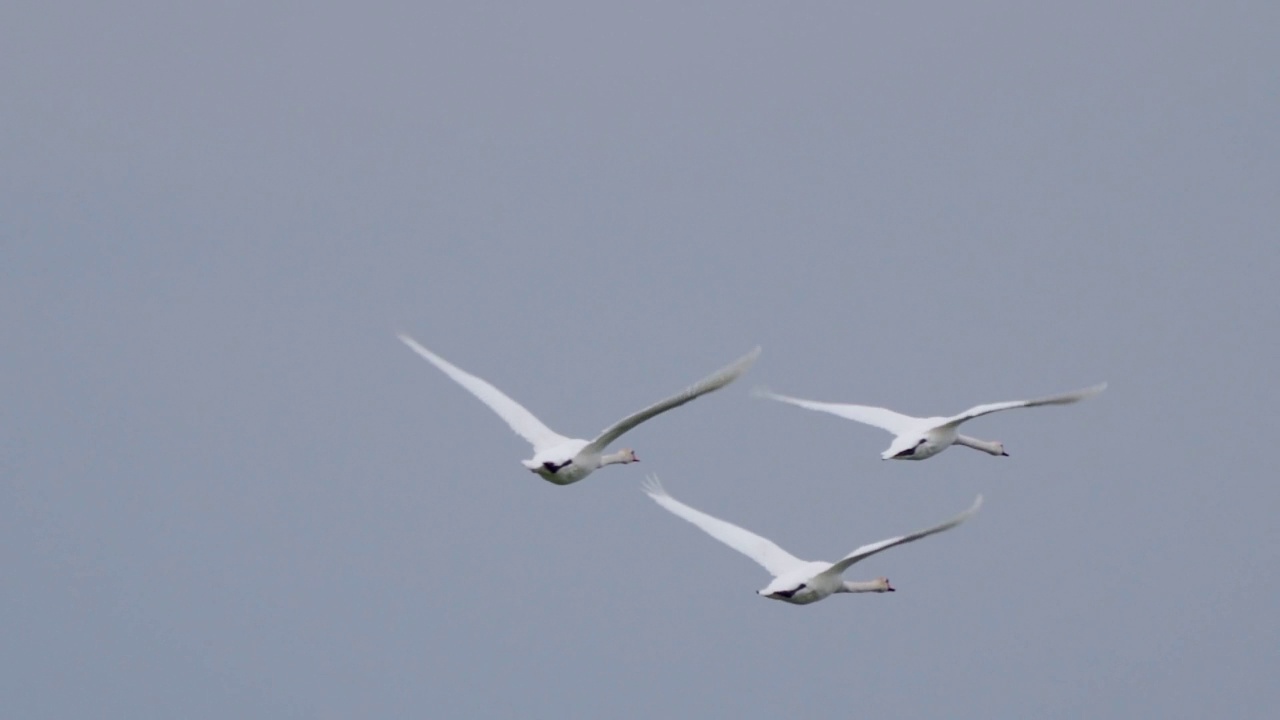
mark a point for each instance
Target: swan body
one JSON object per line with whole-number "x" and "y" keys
{"x": 563, "y": 460}
{"x": 922, "y": 438}
{"x": 573, "y": 460}
{"x": 796, "y": 581}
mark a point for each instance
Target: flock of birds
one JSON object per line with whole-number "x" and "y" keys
{"x": 563, "y": 460}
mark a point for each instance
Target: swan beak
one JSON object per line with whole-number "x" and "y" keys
{"x": 1004, "y": 454}
{"x": 891, "y": 589}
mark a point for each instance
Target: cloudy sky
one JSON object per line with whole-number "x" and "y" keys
{"x": 229, "y": 491}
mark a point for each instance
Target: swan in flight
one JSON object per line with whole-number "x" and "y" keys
{"x": 921, "y": 438}
{"x": 563, "y": 460}
{"x": 796, "y": 581}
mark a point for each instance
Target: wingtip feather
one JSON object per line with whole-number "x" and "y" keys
{"x": 407, "y": 339}
{"x": 745, "y": 362}
{"x": 653, "y": 487}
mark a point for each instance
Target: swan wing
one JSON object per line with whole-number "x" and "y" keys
{"x": 764, "y": 551}
{"x": 1063, "y": 399}
{"x": 521, "y": 420}
{"x": 885, "y": 419}
{"x": 714, "y": 381}
{"x": 867, "y": 551}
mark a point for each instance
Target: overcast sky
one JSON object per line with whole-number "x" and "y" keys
{"x": 229, "y": 491}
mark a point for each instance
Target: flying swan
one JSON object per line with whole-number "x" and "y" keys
{"x": 795, "y": 581}
{"x": 563, "y": 460}
{"x": 922, "y": 438}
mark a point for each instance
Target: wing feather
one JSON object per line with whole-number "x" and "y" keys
{"x": 883, "y": 418}
{"x": 712, "y": 382}
{"x": 764, "y": 551}
{"x": 1062, "y": 399}
{"x": 521, "y": 420}
{"x": 867, "y": 551}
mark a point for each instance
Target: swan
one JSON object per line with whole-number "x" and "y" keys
{"x": 563, "y": 460}
{"x": 922, "y": 438}
{"x": 796, "y": 581}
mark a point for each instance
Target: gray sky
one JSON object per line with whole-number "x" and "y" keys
{"x": 228, "y": 491}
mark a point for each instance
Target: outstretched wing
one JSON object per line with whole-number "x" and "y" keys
{"x": 867, "y": 551}
{"x": 1063, "y": 399}
{"x": 521, "y": 421}
{"x": 885, "y": 419}
{"x": 714, "y": 381}
{"x": 774, "y": 559}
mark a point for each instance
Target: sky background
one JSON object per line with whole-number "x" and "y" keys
{"x": 229, "y": 491}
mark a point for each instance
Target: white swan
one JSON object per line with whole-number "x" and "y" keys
{"x": 921, "y": 438}
{"x": 563, "y": 460}
{"x": 795, "y": 581}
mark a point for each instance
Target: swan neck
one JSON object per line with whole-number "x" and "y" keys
{"x": 991, "y": 448}
{"x": 851, "y": 586}
{"x": 615, "y": 458}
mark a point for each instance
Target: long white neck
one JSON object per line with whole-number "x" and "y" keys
{"x": 868, "y": 586}
{"x": 622, "y": 457}
{"x": 986, "y": 446}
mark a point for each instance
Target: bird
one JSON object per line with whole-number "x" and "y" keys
{"x": 562, "y": 460}
{"x": 922, "y": 438}
{"x": 796, "y": 581}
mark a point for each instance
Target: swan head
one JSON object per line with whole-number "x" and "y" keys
{"x": 629, "y": 455}
{"x": 883, "y": 583}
